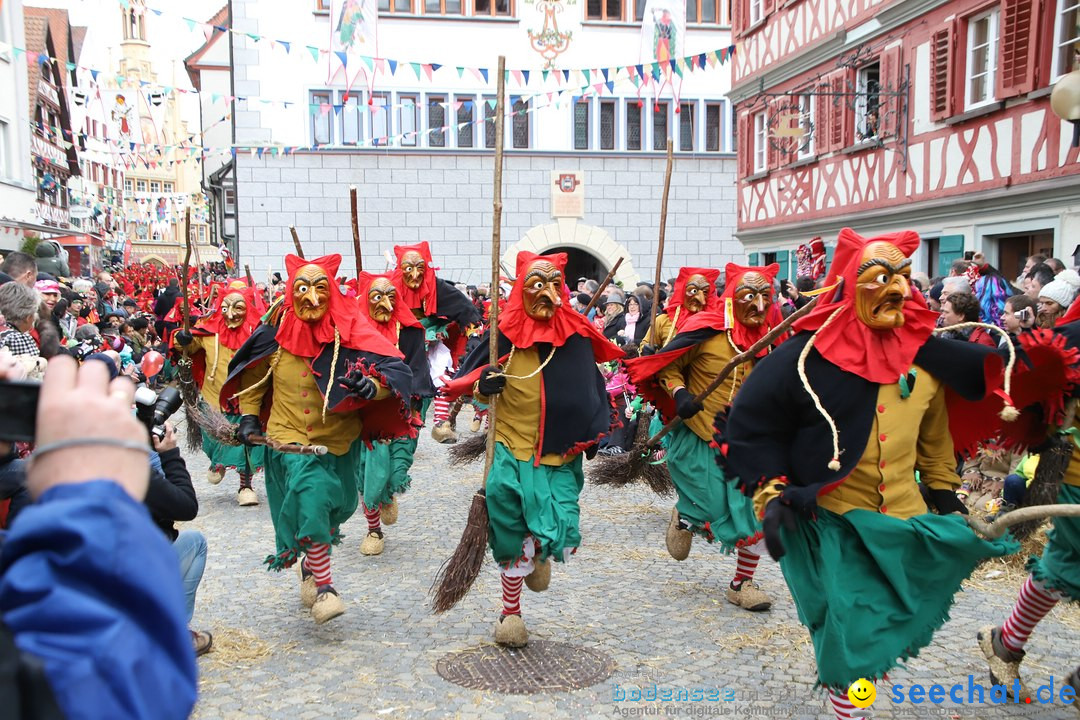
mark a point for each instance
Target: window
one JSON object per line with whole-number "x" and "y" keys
{"x": 714, "y": 127}
{"x": 633, "y": 124}
{"x": 230, "y": 200}
{"x": 1066, "y": 37}
{"x": 755, "y": 11}
{"x": 606, "y": 10}
{"x": 436, "y": 120}
{"x": 155, "y": 187}
{"x": 607, "y": 125}
{"x": 127, "y": 186}
{"x": 520, "y": 123}
{"x": 395, "y": 6}
{"x": 322, "y": 5}
{"x": 380, "y": 118}
{"x": 351, "y": 119}
{"x": 981, "y": 60}
{"x": 686, "y": 127}
{"x": 491, "y": 7}
{"x": 639, "y": 10}
{"x": 806, "y": 122}
{"x": 320, "y": 118}
{"x": 489, "y": 120}
{"x": 867, "y": 101}
{"x": 465, "y": 119}
{"x": 408, "y": 119}
{"x": 5, "y": 162}
{"x": 581, "y": 124}
{"x": 660, "y": 125}
{"x": 761, "y": 137}
{"x": 140, "y": 185}
{"x": 702, "y": 11}
{"x": 442, "y": 7}
{"x": 167, "y": 187}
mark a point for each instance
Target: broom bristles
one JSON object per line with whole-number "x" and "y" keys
{"x": 189, "y": 393}
{"x": 634, "y": 465}
{"x": 468, "y": 451}
{"x": 214, "y": 423}
{"x": 1044, "y": 488}
{"x": 457, "y": 575}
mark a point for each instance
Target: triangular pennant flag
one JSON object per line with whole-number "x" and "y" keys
{"x": 491, "y": 103}
{"x": 427, "y": 67}
{"x": 604, "y": 71}
{"x": 517, "y": 76}
{"x": 677, "y": 67}
{"x": 261, "y": 151}
{"x": 393, "y": 66}
{"x": 42, "y": 59}
{"x": 611, "y": 86}
{"x": 369, "y": 61}
{"x": 314, "y": 53}
{"x": 221, "y": 28}
{"x": 254, "y": 37}
{"x": 460, "y": 72}
{"x": 701, "y": 61}
{"x": 545, "y": 74}
{"x": 71, "y": 67}
{"x": 566, "y": 75}
{"x": 416, "y": 69}
{"x": 190, "y": 24}
{"x": 587, "y": 78}
{"x": 484, "y": 73}
{"x": 640, "y": 70}
{"x": 18, "y": 51}
{"x": 343, "y": 58}
{"x": 713, "y": 57}
{"x": 286, "y": 45}
{"x": 525, "y": 74}
{"x": 214, "y": 97}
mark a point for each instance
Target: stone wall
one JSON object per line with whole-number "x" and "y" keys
{"x": 405, "y": 197}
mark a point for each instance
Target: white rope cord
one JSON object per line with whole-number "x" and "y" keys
{"x": 834, "y": 464}
{"x": 735, "y": 372}
{"x": 333, "y": 369}
{"x": 534, "y": 373}
{"x": 273, "y": 366}
{"x": 671, "y": 328}
{"x": 1009, "y": 412}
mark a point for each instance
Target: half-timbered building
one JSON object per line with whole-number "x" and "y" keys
{"x": 930, "y": 115}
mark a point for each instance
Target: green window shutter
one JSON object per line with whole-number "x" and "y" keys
{"x": 950, "y": 248}
{"x": 754, "y": 259}
{"x": 783, "y": 260}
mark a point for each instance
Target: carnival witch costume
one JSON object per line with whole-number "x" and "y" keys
{"x": 211, "y": 345}
{"x": 448, "y": 317}
{"x": 386, "y": 464}
{"x": 317, "y": 373}
{"x": 694, "y": 291}
{"x": 552, "y": 407}
{"x": 672, "y": 377}
{"x": 828, "y": 433}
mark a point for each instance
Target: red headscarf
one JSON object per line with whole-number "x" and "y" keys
{"x": 880, "y": 356}
{"x": 214, "y": 323}
{"x": 426, "y": 296}
{"x": 402, "y": 316}
{"x": 523, "y": 331}
{"x": 306, "y": 339}
{"x": 712, "y": 300}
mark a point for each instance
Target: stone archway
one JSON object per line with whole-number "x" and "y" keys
{"x": 568, "y": 232}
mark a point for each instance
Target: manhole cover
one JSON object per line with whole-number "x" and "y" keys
{"x": 541, "y": 666}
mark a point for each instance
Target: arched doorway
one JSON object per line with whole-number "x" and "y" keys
{"x": 581, "y": 264}
{"x": 592, "y": 251}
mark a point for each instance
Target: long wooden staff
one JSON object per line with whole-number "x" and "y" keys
{"x": 189, "y": 391}
{"x": 596, "y": 296}
{"x": 458, "y": 574}
{"x": 250, "y": 277}
{"x": 288, "y": 448}
{"x": 355, "y": 231}
{"x": 184, "y": 276}
{"x": 749, "y": 354}
{"x": 660, "y": 243}
{"x": 296, "y": 242}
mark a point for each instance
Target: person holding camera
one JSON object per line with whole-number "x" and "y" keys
{"x": 171, "y": 498}
{"x": 90, "y": 596}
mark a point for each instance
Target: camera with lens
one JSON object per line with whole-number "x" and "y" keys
{"x": 153, "y": 409}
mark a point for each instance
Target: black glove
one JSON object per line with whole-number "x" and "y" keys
{"x": 777, "y": 515}
{"x": 590, "y": 452}
{"x": 646, "y": 349}
{"x": 472, "y": 343}
{"x": 249, "y": 425}
{"x": 183, "y": 338}
{"x": 488, "y": 385}
{"x": 686, "y": 405}
{"x": 359, "y": 385}
{"x": 946, "y": 502}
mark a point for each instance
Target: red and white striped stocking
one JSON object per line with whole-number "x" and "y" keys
{"x": 374, "y": 521}
{"x": 442, "y": 407}
{"x": 511, "y": 594}
{"x": 841, "y": 705}
{"x": 1031, "y": 607}
{"x": 318, "y": 562}
{"x": 747, "y": 564}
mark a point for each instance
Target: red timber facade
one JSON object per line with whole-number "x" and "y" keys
{"x": 927, "y": 115}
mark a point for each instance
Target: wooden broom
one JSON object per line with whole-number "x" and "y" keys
{"x": 458, "y": 574}
{"x": 189, "y": 391}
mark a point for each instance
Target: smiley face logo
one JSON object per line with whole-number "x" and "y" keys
{"x": 862, "y": 693}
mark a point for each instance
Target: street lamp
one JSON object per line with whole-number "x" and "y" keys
{"x": 1065, "y": 101}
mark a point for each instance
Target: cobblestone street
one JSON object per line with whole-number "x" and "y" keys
{"x": 663, "y": 622}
